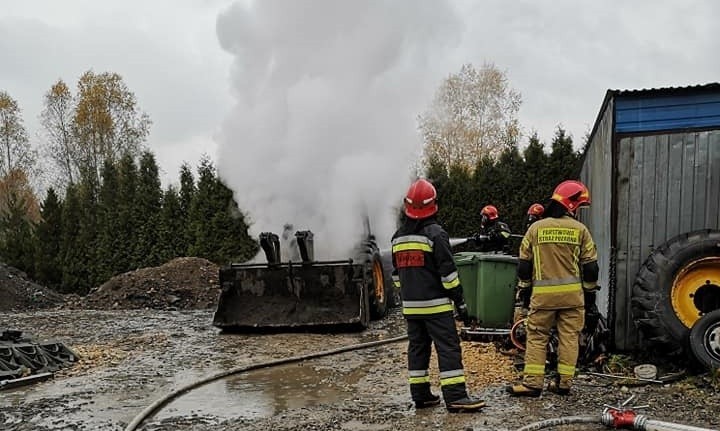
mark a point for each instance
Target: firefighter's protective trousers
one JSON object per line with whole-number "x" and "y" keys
{"x": 570, "y": 322}
{"x": 562, "y": 252}
{"x": 422, "y": 333}
{"x": 425, "y": 271}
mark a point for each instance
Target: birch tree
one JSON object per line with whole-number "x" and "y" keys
{"x": 473, "y": 115}
{"x": 57, "y": 120}
{"x": 107, "y": 121}
{"x": 16, "y": 154}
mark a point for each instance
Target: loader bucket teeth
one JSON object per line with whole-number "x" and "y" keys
{"x": 270, "y": 243}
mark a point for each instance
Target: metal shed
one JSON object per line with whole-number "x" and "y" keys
{"x": 652, "y": 165}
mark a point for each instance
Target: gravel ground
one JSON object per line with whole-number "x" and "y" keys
{"x": 133, "y": 357}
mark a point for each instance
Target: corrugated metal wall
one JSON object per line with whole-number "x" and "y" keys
{"x": 597, "y": 175}
{"x": 666, "y": 185}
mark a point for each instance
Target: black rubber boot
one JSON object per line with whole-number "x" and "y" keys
{"x": 466, "y": 404}
{"x": 430, "y": 401}
{"x": 521, "y": 390}
{"x": 555, "y": 388}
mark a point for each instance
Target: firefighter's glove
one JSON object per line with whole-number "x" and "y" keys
{"x": 523, "y": 296}
{"x": 462, "y": 314}
{"x": 592, "y": 314}
{"x": 589, "y": 299}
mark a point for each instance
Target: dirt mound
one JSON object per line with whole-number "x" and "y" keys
{"x": 180, "y": 284}
{"x": 18, "y": 292}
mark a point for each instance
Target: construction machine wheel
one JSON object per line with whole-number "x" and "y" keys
{"x": 705, "y": 340}
{"x": 393, "y": 293}
{"x": 377, "y": 288}
{"x": 677, "y": 285}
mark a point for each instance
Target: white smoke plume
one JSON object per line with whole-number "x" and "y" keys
{"x": 324, "y": 130}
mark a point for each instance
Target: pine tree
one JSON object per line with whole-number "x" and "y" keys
{"x": 148, "y": 204}
{"x": 16, "y": 236}
{"x": 171, "y": 238}
{"x": 72, "y": 256}
{"x": 229, "y": 229}
{"x": 87, "y": 240}
{"x": 564, "y": 162}
{"x": 457, "y": 194}
{"x": 108, "y": 241}
{"x": 48, "y": 269}
{"x": 538, "y": 181}
{"x": 511, "y": 179}
{"x": 19, "y": 213}
{"x": 186, "y": 196}
{"x": 485, "y": 188}
{"x": 126, "y": 215}
{"x": 218, "y": 226}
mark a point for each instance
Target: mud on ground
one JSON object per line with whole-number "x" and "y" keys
{"x": 134, "y": 357}
{"x": 148, "y": 332}
{"x": 19, "y": 292}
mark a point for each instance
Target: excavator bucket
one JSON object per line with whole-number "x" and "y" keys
{"x": 302, "y": 295}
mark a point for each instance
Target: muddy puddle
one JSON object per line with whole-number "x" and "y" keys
{"x": 261, "y": 393}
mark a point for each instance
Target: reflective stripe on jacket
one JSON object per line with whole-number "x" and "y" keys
{"x": 557, "y": 247}
{"x": 424, "y": 269}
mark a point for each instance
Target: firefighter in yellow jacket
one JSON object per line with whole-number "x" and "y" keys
{"x": 558, "y": 261}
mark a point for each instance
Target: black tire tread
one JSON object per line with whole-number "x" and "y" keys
{"x": 651, "y": 306}
{"x": 370, "y": 255}
{"x": 697, "y": 346}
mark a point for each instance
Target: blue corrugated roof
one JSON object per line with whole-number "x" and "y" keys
{"x": 669, "y": 90}
{"x": 663, "y": 110}
{"x": 678, "y": 113}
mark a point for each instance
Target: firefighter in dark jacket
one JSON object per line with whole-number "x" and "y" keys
{"x": 534, "y": 213}
{"x": 493, "y": 234}
{"x": 424, "y": 269}
{"x": 558, "y": 261}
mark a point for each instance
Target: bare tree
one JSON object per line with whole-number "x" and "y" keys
{"x": 107, "y": 122}
{"x": 16, "y": 151}
{"x": 473, "y": 115}
{"x": 57, "y": 120}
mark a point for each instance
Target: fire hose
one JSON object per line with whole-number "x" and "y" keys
{"x": 616, "y": 417}
{"x": 158, "y": 404}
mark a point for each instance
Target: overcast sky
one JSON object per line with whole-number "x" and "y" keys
{"x": 198, "y": 67}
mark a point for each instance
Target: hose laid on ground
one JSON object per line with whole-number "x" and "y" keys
{"x": 564, "y": 420}
{"x": 653, "y": 425}
{"x": 154, "y": 407}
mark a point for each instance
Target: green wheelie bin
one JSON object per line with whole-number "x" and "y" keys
{"x": 488, "y": 281}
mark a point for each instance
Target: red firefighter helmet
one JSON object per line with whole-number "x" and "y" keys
{"x": 421, "y": 200}
{"x": 571, "y": 194}
{"x": 490, "y": 212}
{"x": 536, "y": 210}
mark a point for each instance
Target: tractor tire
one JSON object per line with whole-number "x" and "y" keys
{"x": 678, "y": 283}
{"x": 377, "y": 289}
{"x": 393, "y": 293}
{"x": 705, "y": 340}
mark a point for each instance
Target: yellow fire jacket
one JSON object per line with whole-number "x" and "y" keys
{"x": 557, "y": 248}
